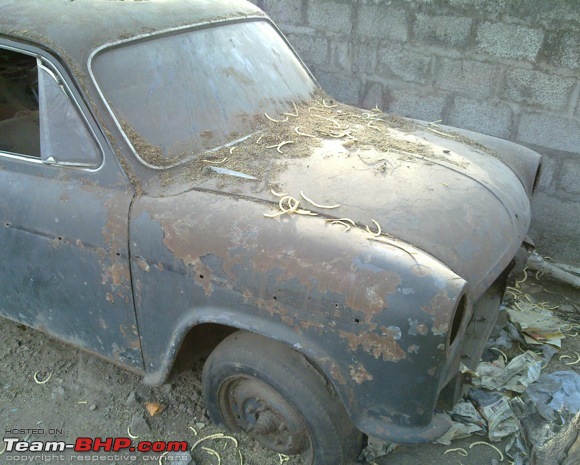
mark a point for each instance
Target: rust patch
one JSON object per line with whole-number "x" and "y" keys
{"x": 65, "y": 197}
{"x": 384, "y": 346}
{"x": 365, "y": 290}
{"x": 432, "y": 371}
{"x": 413, "y": 349}
{"x": 312, "y": 324}
{"x": 359, "y": 374}
{"x": 416, "y": 328}
{"x": 203, "y": 276}
{"x": 142, "y": 263}
{"x": 266, "y": 249}
{"x": 441, "y": 306}
{"x": 113, "y": 259}
{"x": 335, "y": 371}
{"x": 110, "y": 298}
{"x": 274, "y": 309}
{"x": 176, "y": 232}
{"x": 118, "y": 274}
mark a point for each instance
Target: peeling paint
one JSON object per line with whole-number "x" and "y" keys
{"x": 413, "y": 349}
{"x": 142, "y": 263}
{"x": 415, "y": 328}
{"x": 440, "y": 309}
{"x": 377, "y": 345}
{"x": 359, "y": 374}
{"x": 336, "y": 372}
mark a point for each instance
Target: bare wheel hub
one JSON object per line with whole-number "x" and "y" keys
{"x": 254, "y": 406}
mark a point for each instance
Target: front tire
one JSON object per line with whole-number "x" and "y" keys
{"x": 257, "y": 385}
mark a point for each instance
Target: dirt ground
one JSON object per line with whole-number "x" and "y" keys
{"x": 88, "y": 397}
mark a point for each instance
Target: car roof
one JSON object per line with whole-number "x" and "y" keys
{"x": 75, "y": 28}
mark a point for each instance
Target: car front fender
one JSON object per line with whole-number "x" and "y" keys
{"x": 379, "y": 317}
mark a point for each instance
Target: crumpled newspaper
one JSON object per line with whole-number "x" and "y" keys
{"x": 516, "y": 376}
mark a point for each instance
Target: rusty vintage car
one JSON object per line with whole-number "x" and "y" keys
{"x": 173, "y": 179}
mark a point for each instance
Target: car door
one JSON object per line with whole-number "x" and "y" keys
{"x": 64, "y": 208}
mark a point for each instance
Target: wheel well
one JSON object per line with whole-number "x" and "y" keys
{"x": 202, "y": 339}
{"x": 199, "y": 343}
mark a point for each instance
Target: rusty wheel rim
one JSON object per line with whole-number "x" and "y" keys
{"x": 255, "y": 407}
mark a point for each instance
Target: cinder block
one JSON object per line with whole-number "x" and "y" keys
{"x": 466, "y": 77}
{"x": 553, "y": 15}
{"x": 343, "y": 88}
{"x": 382, "y": 22}
{"x": 493, "y": 6}
{"x": 555, "y": 226}
{"x": 403, "y": 63}
{"x": 451, "y": 31}
{"x": 286, "y": 12}
{"x": 364, "y": 58}
{"x": 570, "y": 176}
{"x": 495, "y": 119}
{"x": 547, "y": 181}
{"x": 509, "y": 41}
{"x": 313, "y": 50}
{"x": 537, "y": 88}
{"x": 563, "y": 49}
{"x": 342, "y": 54}
{"x": 330, "y": 16}
{"x": 550, "y": 131}
{"x": 410, "y": 103}
{"x": 373, "y": 96}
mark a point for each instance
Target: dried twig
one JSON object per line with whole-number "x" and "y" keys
{"x": 276, "y": 120}
{"x": 37, "y": 381}
{"x": 213, "y": 162}
{"x": 280, "y": 145}
{"x": 317, "y": 204}
{"x": 483, "y": 443}
{"x": 379, "y": 230}
{"x": 297, "y": 130}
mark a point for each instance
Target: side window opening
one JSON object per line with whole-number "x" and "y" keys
{"x": 19, "y": 106}
{"x": 38, "y": 116}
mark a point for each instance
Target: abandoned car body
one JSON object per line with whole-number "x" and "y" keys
{"x": 172, "y": 169}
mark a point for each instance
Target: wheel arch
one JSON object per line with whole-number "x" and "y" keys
{"x": 222, "y": 322}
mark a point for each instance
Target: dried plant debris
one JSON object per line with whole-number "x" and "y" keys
{"x": 297, "y": 132}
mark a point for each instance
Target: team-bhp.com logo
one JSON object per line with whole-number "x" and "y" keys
{"x": 94, "y": 445}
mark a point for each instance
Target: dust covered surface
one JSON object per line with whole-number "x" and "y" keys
{"x": 297, "y": 133}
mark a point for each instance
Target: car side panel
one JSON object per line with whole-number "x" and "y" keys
{"x": 373, "y": 317}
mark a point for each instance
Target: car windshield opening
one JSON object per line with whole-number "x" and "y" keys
{"x": 182, "y": 94}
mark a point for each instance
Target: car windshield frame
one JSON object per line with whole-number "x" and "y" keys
{"x": 151, "y": 154}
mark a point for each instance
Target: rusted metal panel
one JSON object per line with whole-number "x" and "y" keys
{"x": 362, "y": 311}
{"x": 64, "y": 260}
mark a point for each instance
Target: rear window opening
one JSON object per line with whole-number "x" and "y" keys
{"x": 19, "y": 104}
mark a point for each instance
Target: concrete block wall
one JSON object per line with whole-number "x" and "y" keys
{"x": 508, "y": 68}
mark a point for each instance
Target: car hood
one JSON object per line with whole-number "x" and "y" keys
{"x": 464, "y": 204}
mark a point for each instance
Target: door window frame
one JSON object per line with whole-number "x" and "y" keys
{"x": 75, "y": 97}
